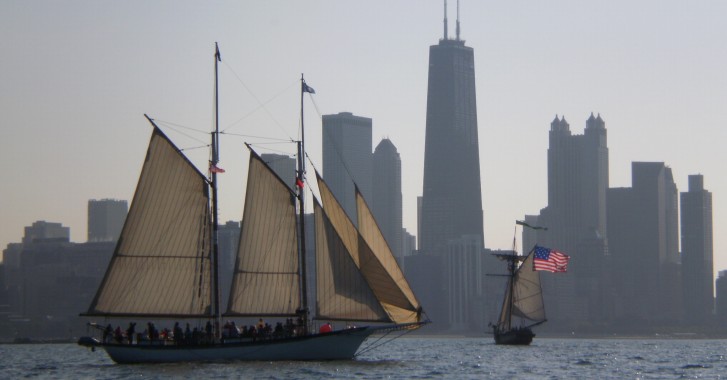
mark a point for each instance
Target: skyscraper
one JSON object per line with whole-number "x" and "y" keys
{"x": 283, "y": 165}
{"x": 577, "y": 183}
{"x": 452, "y": 195}
{"x": 44, "y": 231}
{"x": 576, "y": 216}
{"x": 641, "y": 222}
{"x": 106, "y": 219}
{"x": 347, "y": 157}
{"x": 697, "y": 267}
{"x": 386, "y": 198}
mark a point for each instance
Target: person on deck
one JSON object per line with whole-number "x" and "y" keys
{"x": 178, "y": 334}
{"x": 130, "y": 332}
{"x": 117, "y": 335}
{"x": 326, "y": 328}
{"x": 108, "y": 333}
{"x": 208, "y": 332}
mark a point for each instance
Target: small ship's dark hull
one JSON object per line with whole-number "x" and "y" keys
{"x": 515, "y": 337}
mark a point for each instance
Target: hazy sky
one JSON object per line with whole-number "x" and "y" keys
{"x": 77, "y": 77}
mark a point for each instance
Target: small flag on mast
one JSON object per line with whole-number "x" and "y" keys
{"x": 299, "y": 182}
{"x": 520, "y": 222}
{"x": 215, "y": 169}
{"x": 217, "y": 53}
{"x": 307, "y": 88}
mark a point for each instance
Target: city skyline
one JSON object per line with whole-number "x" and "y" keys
{"x": 84, "y": 74}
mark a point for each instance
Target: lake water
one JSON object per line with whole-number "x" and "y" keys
{"x": 406, "y": 358}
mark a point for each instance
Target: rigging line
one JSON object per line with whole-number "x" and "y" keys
{"x": 194, "y": 147}
{"x": 175, "y": 129}
{"x": 257, "y": 137}
{"x": 260, "y": 144}
{"x": 377, "y": 343}
{"x": 168, "y": 123}
{"x": 312, "y": 164}
{"x": 260, "y": 104}
{"x": 283, "y": 152}
{"x": 315, "y": 105}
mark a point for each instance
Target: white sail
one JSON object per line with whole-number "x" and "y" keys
{"x": 266, "y": 280}
{"x": 374, "y": 267}
{"x": 161, "y": 265}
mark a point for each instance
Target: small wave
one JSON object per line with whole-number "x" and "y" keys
{"x": 584, "y": 362}
{"x": 637, "y": 358}
{"x": 45, "y": 367}
{"x": 696, "y": 366}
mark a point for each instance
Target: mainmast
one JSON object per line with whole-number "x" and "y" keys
{"x": 300, "y": 181}
{"x": 213, "y": 172}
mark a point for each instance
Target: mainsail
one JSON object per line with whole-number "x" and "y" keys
{"x": 266, "y": 280}
{"x": 524, "y": 296}
{"x": 161, "y": 265}
{"x": 379, "y": 275}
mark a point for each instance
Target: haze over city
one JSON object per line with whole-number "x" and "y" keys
{"x": 79, "y": 75}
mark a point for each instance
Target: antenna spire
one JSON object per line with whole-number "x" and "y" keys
{"x": 445, "y": 19}
{"x": 457, "y": 20}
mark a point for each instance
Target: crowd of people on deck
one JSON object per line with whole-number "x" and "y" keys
{"x": 263, "y": 330}
{"x": 196, "y": 336}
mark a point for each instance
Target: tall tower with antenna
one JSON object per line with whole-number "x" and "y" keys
{"x": 452, "y": 195}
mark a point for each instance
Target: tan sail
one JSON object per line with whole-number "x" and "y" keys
{"x": 375, "y": 272}
{"x": 342, "y": 292}
{"x": 504, "y": 321}
{"x": 392, "y": 290}
{"x": 266, "y": 280}
{"x": 161, "y": 265}
{"x": 527, "y": 293}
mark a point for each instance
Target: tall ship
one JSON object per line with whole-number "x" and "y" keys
{"x": 522, "y": 305}
{"x": 165, "y": 267}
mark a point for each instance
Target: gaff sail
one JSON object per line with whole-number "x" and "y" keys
{"x": 266, "y": 279}
{"x": 161, "y": 266}
{"x": 524, "y": 295}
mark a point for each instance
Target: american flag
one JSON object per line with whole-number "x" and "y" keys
{"x": 550, "y": 260}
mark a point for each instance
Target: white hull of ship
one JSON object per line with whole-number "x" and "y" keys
{"x": 338, "y": 345}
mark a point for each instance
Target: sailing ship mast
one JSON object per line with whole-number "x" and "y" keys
{"x": 300, "y": 181}
{"x": 511, "y": 263}
{"x": 213, "y": 174}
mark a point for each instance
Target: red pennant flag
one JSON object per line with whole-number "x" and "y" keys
{"x": 215, "y": 169}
